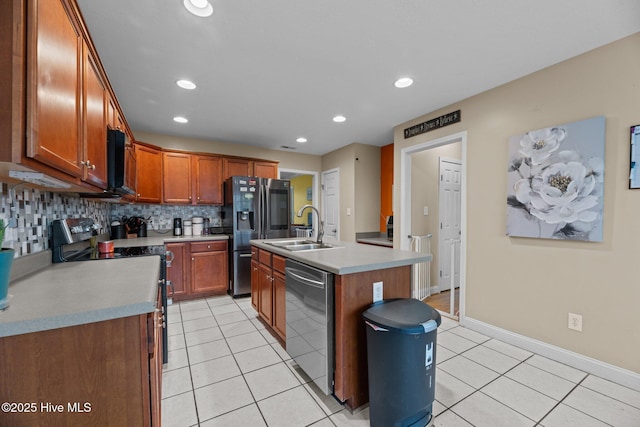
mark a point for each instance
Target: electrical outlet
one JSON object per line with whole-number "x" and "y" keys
{"x": 348, "y": 211}
{"x": 575, "y": 322}
{"x": 425, "y": 210}
{"x": 377, "y": 291}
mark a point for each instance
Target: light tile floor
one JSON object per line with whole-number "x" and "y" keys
{"x": 225, "y": 369}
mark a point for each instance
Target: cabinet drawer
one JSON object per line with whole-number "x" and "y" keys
{"x": 209, "y": 246}
{"x": 278, "y": 263}
{"x": 265, "y": 257}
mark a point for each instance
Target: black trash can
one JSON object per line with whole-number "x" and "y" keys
{"x": 401, "y": 354}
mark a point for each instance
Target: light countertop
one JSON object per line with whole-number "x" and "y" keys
{"x": 348, "y": 257}
{"x": 160, "y": 239}
{"x": 75, "y": 293}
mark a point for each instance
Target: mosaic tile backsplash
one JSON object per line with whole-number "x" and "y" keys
{"x": 29, "y": 213}
{"x": 161, "y": 216}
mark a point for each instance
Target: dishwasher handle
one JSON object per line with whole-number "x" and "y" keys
{"x": 305, "y": 280}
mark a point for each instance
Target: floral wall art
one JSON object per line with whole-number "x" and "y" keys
{"x": 555, "y": 182}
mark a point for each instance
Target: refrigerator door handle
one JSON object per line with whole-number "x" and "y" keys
{"x": 260, "y": 212}
{"x": 267, "y": 211}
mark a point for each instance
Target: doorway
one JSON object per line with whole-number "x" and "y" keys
{"x": 426, "y": 172}
{"x": 304, "y": 190}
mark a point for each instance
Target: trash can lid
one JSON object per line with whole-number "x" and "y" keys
{"x": 406, "y": 315}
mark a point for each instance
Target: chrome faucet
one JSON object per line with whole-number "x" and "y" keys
{"x": 320, "y": 222}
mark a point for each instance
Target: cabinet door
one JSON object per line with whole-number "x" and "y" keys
{"x": 148, "y": 174}
{"x": 279, "y": 309}
{"x": 176, "y": 178}
{"x": 155, "y": 362}
{"x": 208, "y": 180}
{"x": 265, "y": 169}
{"x": 265, "y": 307}
{"x": 178, "y": 271}
{"x": 54, "y": 134}
{"x": 235, "y": 167}
{"x": 94, "y": 123}
{"x": 255, "y": 284}
{"x": 209, "y": 272}
{"x": 130, "y": 164}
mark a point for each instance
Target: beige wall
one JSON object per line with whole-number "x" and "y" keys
{"x": 424, "y": 192}
{"x": 287, "y": 159}
{"x": 359, "y": 166}
{"x": 528, "y": 286}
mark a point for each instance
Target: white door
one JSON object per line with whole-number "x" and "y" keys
{"x": 449, "y": 200}
{"x": 331, "y": 203}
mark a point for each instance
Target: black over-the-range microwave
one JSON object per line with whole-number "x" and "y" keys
{"x": 116, "y": 170}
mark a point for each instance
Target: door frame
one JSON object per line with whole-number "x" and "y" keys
{"x": 314, "y": 183}
{"x": 404, "y": 196}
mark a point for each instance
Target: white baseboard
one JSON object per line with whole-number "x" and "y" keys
{"x": 584, "y": 363}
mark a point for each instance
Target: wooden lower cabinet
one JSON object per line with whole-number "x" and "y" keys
{"x": 353, "y": 294}
{"x": 268, "y": 291}
{"x": 198, "y": 269}
{"x": 255, "y": 278}
{"x": 101, "y": 374}
{"x": 177, "y": 274}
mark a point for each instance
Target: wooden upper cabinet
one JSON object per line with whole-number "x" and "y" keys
{"x": 95, "y": 130}
{"x": 235, "y": 167}
{"x": 148, "y": 174}
{"x": 176, "y": 177}
{"x": 54, "y": 133}
{"x": 248, "y": 167}
{"x": 208, "y": 181}
{"x": 130, "y": 164}
{"x": 265, "y": 169}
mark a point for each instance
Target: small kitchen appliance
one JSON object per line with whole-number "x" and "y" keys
{"x": 177, "y": 226}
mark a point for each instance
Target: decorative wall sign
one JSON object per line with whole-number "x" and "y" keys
{"x": 433, "y": 124}
{"x": 555, "y": 182}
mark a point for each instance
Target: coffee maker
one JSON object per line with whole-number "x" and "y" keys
{"x": 177, "y": 226}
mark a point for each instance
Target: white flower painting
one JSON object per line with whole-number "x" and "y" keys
{"x": 556, "y": 182}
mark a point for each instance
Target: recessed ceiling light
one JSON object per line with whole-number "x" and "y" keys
{"x": 180, "y": 119}
{"x": 301, "y": 140}
{"x": 186, "y": 84}
{"x": 339, "y": 119}
{"x": 200, "y": 8}
{"x": 403, "y": 82}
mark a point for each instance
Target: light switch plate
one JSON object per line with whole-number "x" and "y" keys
{"x": 377, "y": 291}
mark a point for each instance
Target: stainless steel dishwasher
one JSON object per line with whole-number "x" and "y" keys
{"x": 310, "y": 317}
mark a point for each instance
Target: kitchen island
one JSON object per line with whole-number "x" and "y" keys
{"x": 356, "y": 267}
{"x": 80, "y": 345}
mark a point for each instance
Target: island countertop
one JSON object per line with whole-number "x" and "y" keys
{"x": 347, "y": 257}
{"x": 75, "y": 293}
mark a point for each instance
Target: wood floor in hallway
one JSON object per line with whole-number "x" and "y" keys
{"x": 441, "y": 301}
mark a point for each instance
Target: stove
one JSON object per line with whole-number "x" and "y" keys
{"x": 71, "y": 242}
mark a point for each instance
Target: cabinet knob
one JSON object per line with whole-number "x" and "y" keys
{"x": 193, "y": 259}
{"x": 208, "y": 246}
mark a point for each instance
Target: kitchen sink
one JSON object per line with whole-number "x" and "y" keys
{"x": 301, "y": 245}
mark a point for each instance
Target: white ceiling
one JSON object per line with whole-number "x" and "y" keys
{"x": 271, "y": 71}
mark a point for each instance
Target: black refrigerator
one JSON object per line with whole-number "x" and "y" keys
{"x": 255, "y": 208}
